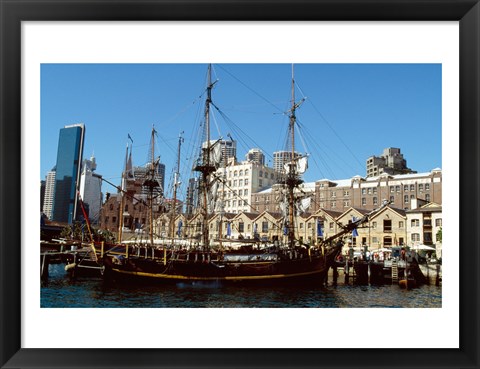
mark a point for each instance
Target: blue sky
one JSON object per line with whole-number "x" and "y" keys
{"x": 351, "y": 112}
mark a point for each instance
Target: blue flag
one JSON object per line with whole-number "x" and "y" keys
{"x": 180, "y": 224}
{"x": 319, "y": 229}
{"x": 354, "y": 232}
{"x": 229, "y": 230}
{"x": 285, "y": 230}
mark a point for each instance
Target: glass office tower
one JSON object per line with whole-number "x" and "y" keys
{"x": 67, "y": 180}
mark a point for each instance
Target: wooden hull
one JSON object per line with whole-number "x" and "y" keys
{"x": 230, "y": 268}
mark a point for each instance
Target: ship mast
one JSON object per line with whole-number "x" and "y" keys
{"x": 123, "y": 191}
{"x": 151, "y": 182}
{"x": 175, "y": 187}
{"x": 206, "y": 167}
{"x": 293, "y": 179}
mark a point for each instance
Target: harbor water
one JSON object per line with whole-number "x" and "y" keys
{"x": 60, "y": 291}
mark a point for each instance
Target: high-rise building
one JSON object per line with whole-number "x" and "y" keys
{"x": 390, "y": 162}
{"x": 243, "y": 179}
{"x": 191, "y": 200}
{"x": 42, "y": 194}
{"x": 67, "y": 180}
{"x": 91, "y": 189}
{"x": 280, "y": 158}
{"x": 255, "y": 156}
{"x": 49, "y": 193}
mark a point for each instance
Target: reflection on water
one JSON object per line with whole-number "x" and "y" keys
{"x": 62, "y": 292}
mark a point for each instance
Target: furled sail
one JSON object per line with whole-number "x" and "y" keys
{"x": 300, "y": 165}
{"x": 215, "y": 154}
{"x": 303, "y": 205}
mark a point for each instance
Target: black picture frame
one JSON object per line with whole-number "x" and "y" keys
{"x": 12, "y": 13}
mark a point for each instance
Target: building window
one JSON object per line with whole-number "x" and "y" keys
{"x": 264, "y": 227}
{"x": 392, "y": 189}
{"x": 374, "y": 190}
{"x": 246, "y": 172}
{"x": 240, "y": 182}
{"x": 405, "y": 199}
{"x": 330, "y": 226}
{"x": 246, "y": 182}
{"x": 427, "y": 186}
{"x": 438, "y": 222}
{"x": 369, "y": 191}
{"x": 375, "y": 201}
{"x": 346, "y": 193}
{"x": 334, "y": 205}
{"x": 397, "y": 188}
{"x": 235, "y": 173}
{"x": 420, "y": 187}
{"x": 245, "y": 192}
{"x": 387, "y": 225}
{"x": 415, "y": 237}
{"x": 374, "y": 224}
{"x": 260, "y": 183}
{"x": 412, "y": 197}
{"x": 412, "y": 187}
{"x": 114, "y": 219}
{"x": 260, "y": 174}
{"x": 392, "y": 198}
{"x": 301, "y": 225}
{"x": 111, "y": 206}
{"x": 346, "y": 204}
{"x": 334, "y": 194}
{"x": 405, "y": 188}
{"x": 415, "y": 223}
{"x": 427, "y": 197}
{"x": 427, "y": 237}
{"x": 400, "y": 224}
{"x": 387, "y": 241}
{"x": 374, "y": 240}
{"x": 240, "y": 174}
{"x": 364, "y": 201}
{"x": 364, "y": 191}
{"x": 241, "y": 227}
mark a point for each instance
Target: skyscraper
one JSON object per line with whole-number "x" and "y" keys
{"x": 256, "y": 156}
{"x": 91, "y": 189}
{"x": 49, "y": 193}
{"x": 67, "y": 180}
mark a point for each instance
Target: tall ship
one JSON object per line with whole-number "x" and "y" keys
{"x": 249, "y": 260}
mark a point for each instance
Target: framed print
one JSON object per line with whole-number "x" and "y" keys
{"x": 53, "y": 49}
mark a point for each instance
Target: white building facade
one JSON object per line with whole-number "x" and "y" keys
{"x": 49, "y": 193}
{"x": 91, "y": 189}
{"x": 243, "y": 179}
